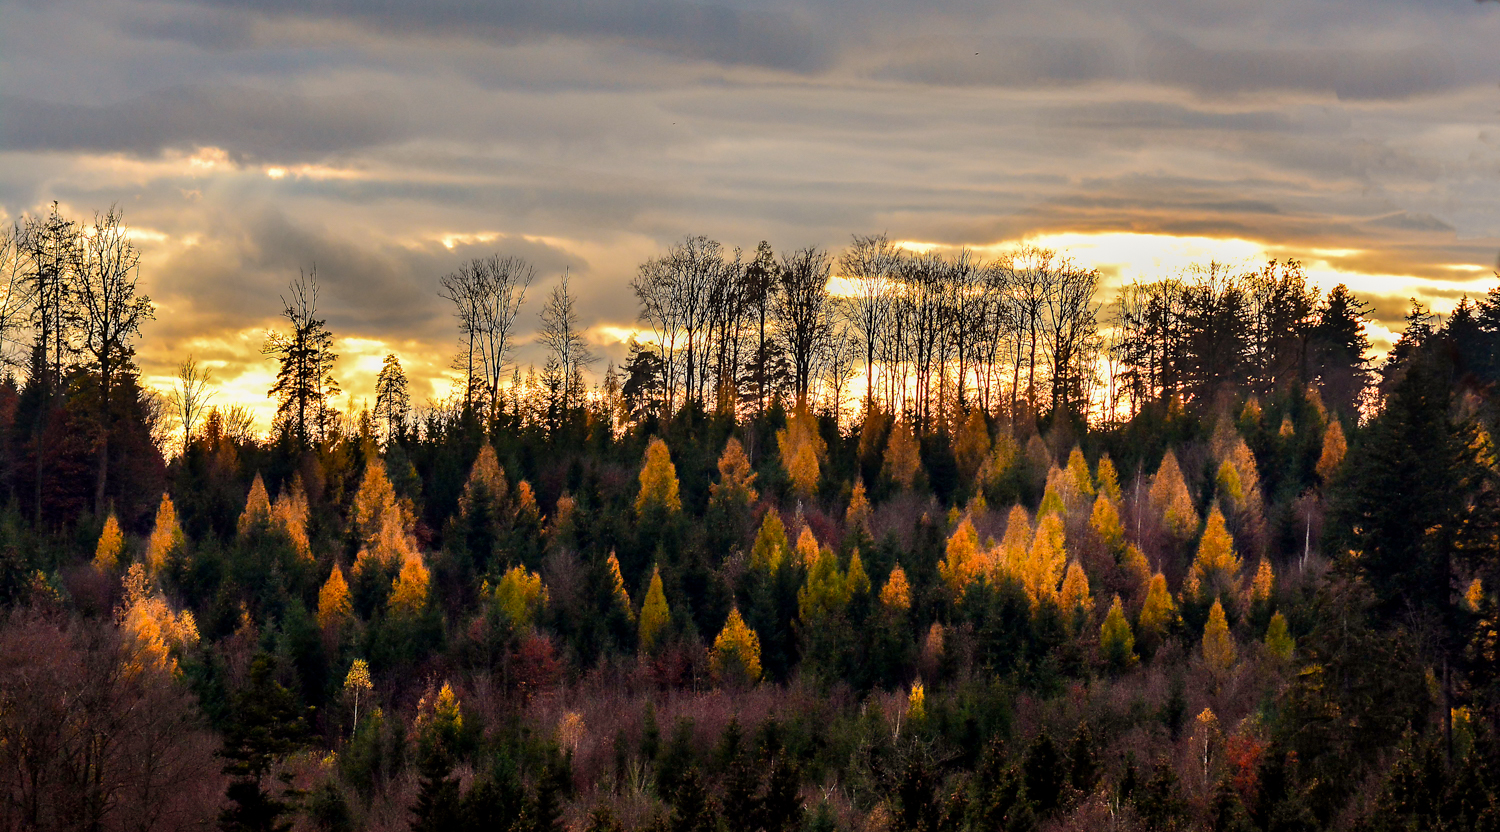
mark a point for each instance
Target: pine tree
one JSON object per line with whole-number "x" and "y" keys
{"x": 658, "y": 481}
{"x": 257, "y": 514}
{"x": 896, "y": 594}
{"x": 654, "y": 613}
{"x": 1116, "y": 642}
{"x": 333, "y": 600}
{"x": 1078, "y": 473}
{"x": 111, "y": 545}
{"x": 1159, "y": 613}
{"x": 265, "y": 727}
{"x": 736, "y": 652}
{"x": 1216, "y": 569}
{"x": 1108, "y": 479}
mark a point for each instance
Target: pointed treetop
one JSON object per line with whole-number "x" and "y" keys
{"x": 333, "y": 600}
{"x": 770, "y": 547}
{"x": 111, "y": 545}
{"x": 658, "y": 480}
{"x": 896, "y": 594}
{"x": 257, "y": 511}
{"x": 654, "y": 613}
{"x": 1108, "y": 479}
{"x": 736, "y": 479}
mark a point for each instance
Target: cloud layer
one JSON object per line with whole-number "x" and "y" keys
{"x": 384, "y": 143}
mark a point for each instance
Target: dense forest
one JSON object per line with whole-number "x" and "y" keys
{"x": 858, "y": 540}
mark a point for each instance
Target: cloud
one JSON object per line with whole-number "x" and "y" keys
{"x": 1347, "y": 73}
{"x": 248, "y": 123}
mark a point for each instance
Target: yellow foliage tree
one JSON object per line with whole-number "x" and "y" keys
{"x": 357, "y": 684}
{"x": 1116, "y": 642}
{"x": 1076, "y": 596}
{"x": 1170, "y": 495}
{"x": 903, "y": 459}
{"x": 1159, "y": 612}
{"x": 527, "y": 510}
{"x": 1059, "y": 494}
{"x": 916, "y": 704}
{"x": 257, "y": 511}
{"x": 111, "y": 545}
{"x": 166, "y": 537}
{"x": 658, "y": 481}
{"x": 409, "y": 589}
{"x": 1228, "y": 481}
{"x": 770, "y": 547}
{"x": 896, "y": 594}
{"x": 1014, "y": 546}
{"x": 622, "y": 596}
{"x": 1105, "y": 521}
{"x": 858, "y": 514}
{"x": 1218, "y": 644}
{"x": 1216, "y": 569}
{"x": 485, "y": 486}
{"x": 1134, "y": 562}
{"x": 736, "y": 479}
{"x": 333, "y": 600}
{"x": 654, "y": 613}
{"x": 802, "y": 450}
{"x": 972, "y": 446}
{"x": 736, "y": 655}
{"x": 1279, "y": 641}
{"x": 1001, "y": 459}
{"x": 520, "y": 597}
{"x": 289, "y": 514}
{"x": 157, "y": 631}
{"x": 807, "y": 548}
{"x": 374, "y": 502}
{"x": 1263, "y": 583}
{"x": 961, "y": 563}
{"x": 1334, "y": 448}
{"x": 1108, "y": 479}
{"x": 1045, "y": 561}
{"x": 1078, "y": 473}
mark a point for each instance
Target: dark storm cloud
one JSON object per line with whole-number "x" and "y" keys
{"x": 1351, "y": 74}
{"x": 248, "y": 123}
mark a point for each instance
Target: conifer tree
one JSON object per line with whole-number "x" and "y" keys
{"x": 333, "y": 600}
{"x": 1279, "y": 641}
{"x": 1045, "y": 562}
{"x": 824, "y": 594}
{"x": 736, "y": 652}
{"x": 770, "y": 548}
{"x": 856, "y": 581}
{"x": 961, "y": 563}
{"x": 1105, "y": 521}
{"x": 289, "y": 515}
{"x": 1159, "y": 612}
{"x": 1058, "y": 494}
{"x": 858, "y": 514}
{"x": 736, "y": 479}
{"x": 1170, "y": 496}
{"x": 1015, "y": 546}
{"x": 654, "y": 613}
{"x": 902, "y": 457}
{"x": 111, "y": 545}
{"x": 1218, "y": 644}
{"x": 1107, "y": 478}
{"x": 658, "y": 481}
{"x": 1077, "y": 600}
{"x": 520, "y": 596}
{"x": 1078, "y": 473}
{"x": 257, "y": 512}
{"x": 375, "y": 505}
{"x": 166, "y": 537}
{"x": 621, "y": 595}
{"x": 808, "y": 549}
{"x": 1116, "y": 642}
{"x": 1334, "y": 448}
{"x": 265, "y": 727}
{"x": 972, "y": 446}
{"x": 1216, "y": 569}
{"x": 896, "y": 594}
{"x": 409, "y": 590}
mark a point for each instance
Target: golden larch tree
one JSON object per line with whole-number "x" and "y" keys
{"x": 289, "y": 515}
{"x": 736, "y": 653}
{"x": 1216, "y": 569}
{"x": 856, "y": 580}
{"x": 802, "y": 450}
{"x": 824, "y": 594}
{"x": 903, "y": 458}
{"x": 1045, "y": 561}
{"x": 257, "y": 513}
{"x": 166, "y": 536}
{"x": 1014, "y": 546}
{"x": 658, "y": 481}
{"x": 110, "y": 546}
{"x": 1078, "y": 473}
{"x": 896, "y": 594}
{"x": 736, "y": 479}
{"x": 333, "y": 601}
{"x": 158, "y": 632}
{"x": 1076, "y": 596}
{"x": 1218, "y": 645}
{"x": 1170, "y": 495}
{"x": 807, "y": 548}
{"x": 1159, "y": 612}
{"x": 1058, "y": 494}
{"x": 857, "y": 516}
{"x": 622, "y": 595}
{"x": 486, "y": 486}
{"x": 1116, "y": 641}
{"x": 374, "y": 502}
{"x": 1263, "y": 582}
{"x": 1107, "y": 478}
{"x": 520, "y": 596}
{"x": 1334, "y": 448}
{"x": 410, "y": 588}
{"x": 961, "y": 563}
{"x": 1279, "y": 641}
{"x": 654, "y": 613}
{"x": 1105, "y": 521}
{"x": 770, "y": 547}
{"x": 972, "y": 446}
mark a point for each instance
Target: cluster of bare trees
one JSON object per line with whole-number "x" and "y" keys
{"x": 69, "y": 301}
{"x": 936, "y": 334}
{"x": 487, "y": 294}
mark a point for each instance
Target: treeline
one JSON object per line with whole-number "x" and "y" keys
{"x": 1220, "y": 573}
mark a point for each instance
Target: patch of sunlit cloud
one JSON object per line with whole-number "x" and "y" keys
{"x": 313, "y": 172}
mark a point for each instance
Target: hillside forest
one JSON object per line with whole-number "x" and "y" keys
{"x": 858, "y": 539}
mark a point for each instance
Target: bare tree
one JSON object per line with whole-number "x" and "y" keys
{"x": 868, "y": 265}
{"x": 15, "y": 299}
{"x": 305, "y": 384}
{"x": 190, "y": 396}
{"x": 803, "y": 312}
{"x": 567, "y": 351}
{"x": 487, "y": 294}
{"x": 109, "y": 317}
{"x": 52, "y": 248}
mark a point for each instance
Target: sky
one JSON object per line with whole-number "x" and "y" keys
{"x": 385, "y": 143}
